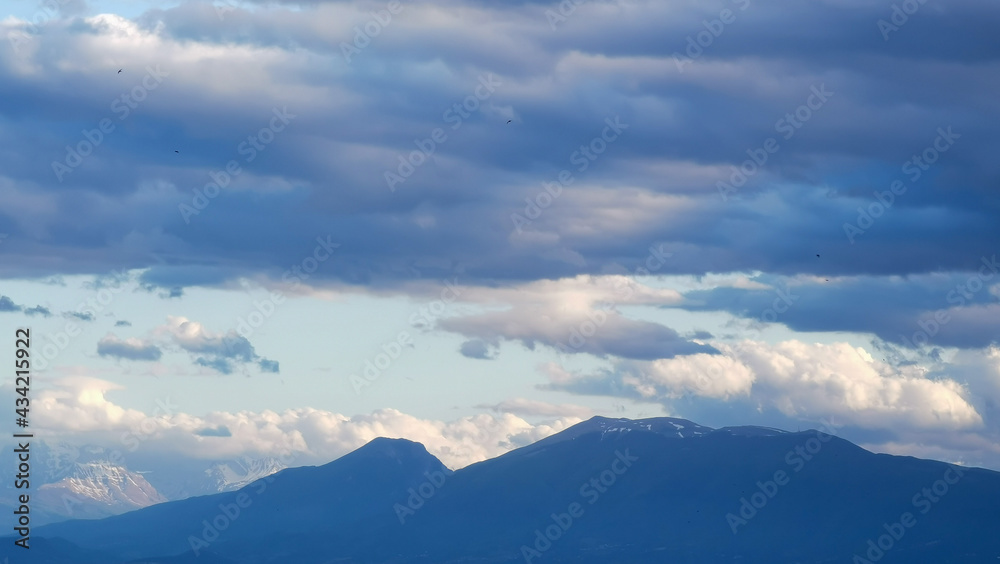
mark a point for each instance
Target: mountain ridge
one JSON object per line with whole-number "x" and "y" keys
{"x": 645, "y": 495}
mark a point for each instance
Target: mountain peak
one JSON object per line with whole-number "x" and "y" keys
{"x": 670, "y": 426}
{"x": 401, "y": 451}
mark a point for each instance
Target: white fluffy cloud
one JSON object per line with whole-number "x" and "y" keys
{"x": 801, "y": 380}
{"x": 75, "y": 409}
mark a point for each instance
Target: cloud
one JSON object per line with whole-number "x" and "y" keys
{"x": 82, "y": 316}
{"x": 220, "y": 431}
{"x": 943, "y": 309}
{"x": 7, "y": 305}
{"x": 573, "y": 315}
{"x": 37, "y": 310}
{"x": 76, "y": 409}
{"x": 218, "y": 351}
{"x": 534, "y": 408}
{"x": 795, "y": 379}
{"x": 477, "y": 348}
{"x": 687, "y": 129}
{"x": 221, "y": 365}
{"x": 129, "y": 349}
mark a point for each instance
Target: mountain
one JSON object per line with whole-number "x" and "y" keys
{"x": 229, "y": 476}
{"x": 91, "y": 482}
{"x": 83, "y": 490}
{"x": 606, "y": 490}
{"x": 190, "y": 478}
{"x": 94, "y": 490}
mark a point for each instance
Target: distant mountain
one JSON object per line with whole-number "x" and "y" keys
{"x": 86, "y": 490}
{"x": 606, "y": 490}
{"x": 91, "y": 482}
{"x": 96, "y": 489}
{"x": 229, "y": 476}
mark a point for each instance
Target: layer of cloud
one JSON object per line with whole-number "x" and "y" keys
{"x": 76, "y": 409}
{"x": 573, "y": 315}
{"x": 687, "y": 127}
{"x": 796, "y": 379}
{"x": 958, "y": 309}
{"x": 534, "y": 408}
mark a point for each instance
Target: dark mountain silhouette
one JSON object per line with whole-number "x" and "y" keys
{"x": 672, "y": 491}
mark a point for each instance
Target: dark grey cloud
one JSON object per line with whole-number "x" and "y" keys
{"x": 7, "y": 305}
{"x": 323, "y": 174}
{"x": 218, "y": 364}
{"x": 37, "y": 310}
{"x": 477, "y": 348}
{"x": 951, "y": 310}
{"x": 82, "y": 316}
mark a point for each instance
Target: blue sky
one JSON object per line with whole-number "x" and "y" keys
{"x": 735, "y": 212}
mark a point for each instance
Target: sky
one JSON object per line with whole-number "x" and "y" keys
{"x": 286, "y": 228}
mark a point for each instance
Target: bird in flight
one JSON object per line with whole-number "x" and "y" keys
{"x": 177, "y": 151}
{"x": 119, "y": 71}
{"x": 817, "y": 256}
{"x": 510, "y": 120}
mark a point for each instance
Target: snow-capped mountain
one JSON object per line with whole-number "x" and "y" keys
{"x": 97, "y": 489}
{"x": 235, "y": 474}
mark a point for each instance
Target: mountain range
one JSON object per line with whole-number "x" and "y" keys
{"x": 606, "y": 490}
{"x": 91, "y": 482}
